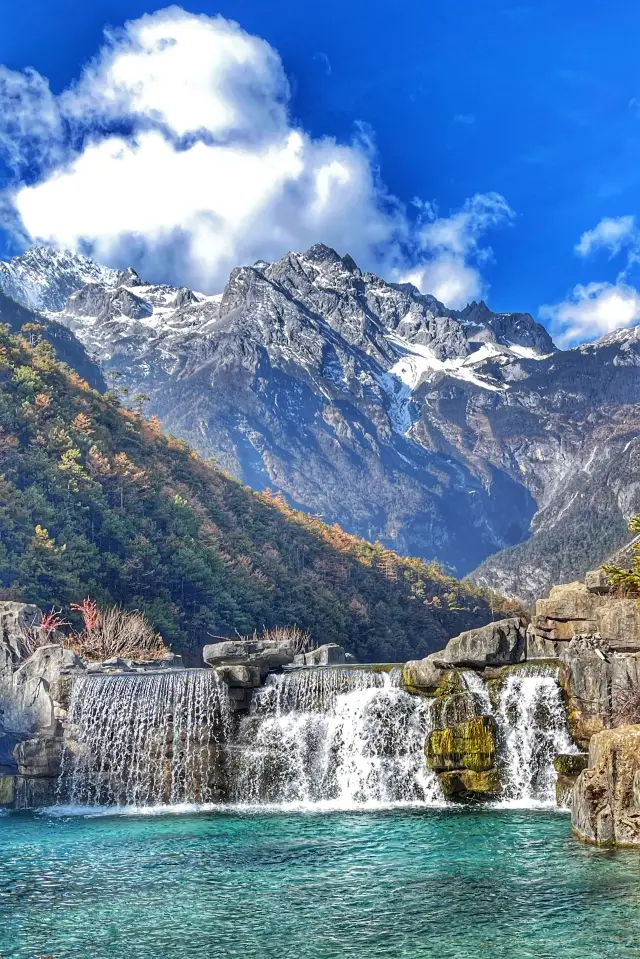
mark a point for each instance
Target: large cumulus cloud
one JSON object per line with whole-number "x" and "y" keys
{"x": 176, "y": 151}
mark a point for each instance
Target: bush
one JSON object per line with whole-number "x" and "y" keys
{"x": 115, "y": 632}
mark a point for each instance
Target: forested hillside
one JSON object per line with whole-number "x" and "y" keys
{"x": 95, "y": 500}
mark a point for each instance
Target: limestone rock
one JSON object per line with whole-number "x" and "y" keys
{"x": 421, "y": 676}
{"x": 328, "y": 655}
{"x": 468, "y": 785}
{"x": 606, "y": 798}
{"x": 7, "y": 790}
{"x": 619, "y": 623}
{"x": 497, "y": 644}
{"x": 449, "y": 710}
{"x": 597, "y": 581}
{"x": 248, "y": 652}
{"x": 467, "y": 745}
{"x": 238, "y": 676}
{"x": 571, "y": 764}
{"x": 586, "y": 676}
{"x": 571, "y": 601}
{"x": 540, "y": 647}
{"x": 39, "y": 757}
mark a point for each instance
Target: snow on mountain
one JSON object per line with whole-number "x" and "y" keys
{"x": 447, "y": 434}
{"x": 43, "y": 279}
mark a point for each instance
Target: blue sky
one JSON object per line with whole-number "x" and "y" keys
{"x": 515, "y": 127}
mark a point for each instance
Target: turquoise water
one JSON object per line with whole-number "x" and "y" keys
{"x": 423, "y": 883}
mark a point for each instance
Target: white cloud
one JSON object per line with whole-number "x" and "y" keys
{"x": 175, "y": 151}
{"x": 450, "y": 243}
{"x": 591, "y": 311}
{"x": 611, "y": 233}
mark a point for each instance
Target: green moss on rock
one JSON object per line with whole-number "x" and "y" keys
{"x": 467, "y": 745}
{"x": 7, "y": 790}
{"x": 568, "y": 764}
{"x": 469, "y": 785}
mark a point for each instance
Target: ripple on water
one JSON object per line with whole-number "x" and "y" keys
{"x": 414, "y": 883}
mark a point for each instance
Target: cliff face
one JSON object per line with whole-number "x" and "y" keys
{"x": 445, "y": 434}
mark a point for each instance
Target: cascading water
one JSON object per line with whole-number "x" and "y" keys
{"x": 138, "y": 740}
{"x": 533, "y": 725}
{"x": 339, "y": 736}
{"x": 343, "y": 737}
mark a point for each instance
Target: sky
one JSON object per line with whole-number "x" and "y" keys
{"x": 476, "y": 149}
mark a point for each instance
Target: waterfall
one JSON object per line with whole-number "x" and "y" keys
{"x": 138, "y": 740}
{"x": 532, "y": 721}
{"x": 339, "y": 736}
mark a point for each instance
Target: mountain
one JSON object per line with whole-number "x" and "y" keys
{"x": 68, "y": 349}
{"x": 95, "y": 500}
{"x": 452, "y": 435}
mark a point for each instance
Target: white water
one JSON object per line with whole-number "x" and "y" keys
{"x": 143, "y": 740}
{"x": 331, "y": 738}
{"x": 343, "y": 737}
{"x": 533, "y": 725}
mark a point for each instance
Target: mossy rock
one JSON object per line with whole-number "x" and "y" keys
{"x": 448, "y": 711}
{"x": 467, "y": 745}
{"x": 467, "y": 785}
{"x": 451, "y": 684}
{"x": 7, "y": 790}
{"x": 564, "y": 790}
{"x": 571, "y": 764}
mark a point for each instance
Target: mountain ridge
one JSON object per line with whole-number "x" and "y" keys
{"x": 447, "y": 434}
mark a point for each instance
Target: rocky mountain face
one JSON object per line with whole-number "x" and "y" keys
{"x": 448, "y": 434}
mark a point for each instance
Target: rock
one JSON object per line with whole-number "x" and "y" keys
{"x": 248, "y": 652}
{"x": 564, "y": 790}
{"x": 571, "y": 601}
{"x": 619, "y": 623}
{"x": 467, "y": 745}
{"x": 239, "y": 698}
{"x": 449, "y": 710}
{"x": 27, "y": 702}
{"x": 468, "y": 785}
{"x": 328, "y": 655}
{"x": 539, "y": 647}
{"x": 597, "y": 581}
{"x": 39, "y": 757}
{"x": 421, "y": 676}
{"x": 35, "y": 792}
{"x": 242, "y": 677}
{"x": 586, "y": 676}
{"x": 497, "y": 644}
{"x": 7, "y": 790}
{"x": 571, "y": 764}
{"x": 605, "y": 807}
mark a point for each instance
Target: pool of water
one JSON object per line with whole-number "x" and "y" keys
{"x": 423, "y": 883}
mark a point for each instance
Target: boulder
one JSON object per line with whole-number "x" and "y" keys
{"x": 39, "y": 757}
{"x": 468, "y": 785}
{"x": 605, "y": 808}
{"x": 7, "y": 791}
{"x": 586, "y": 674}
{"x": 497, "y": 644}
{"x": 597, "y": 581}
{"x": 240, "y": 677}
{"x": 540, "y": 647}
{"x": 571, "y": 764}
{"x": 421, "y": 676}
{"x": 571, "y": 601}
{"x": 619, "y": 623}
{"x": 248, "y": 652}
{"x": 467, "y": 745}
{"x": 449, "y": 710}
{"x": 328, "y": 655}
{"x": 27, "y": 703}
